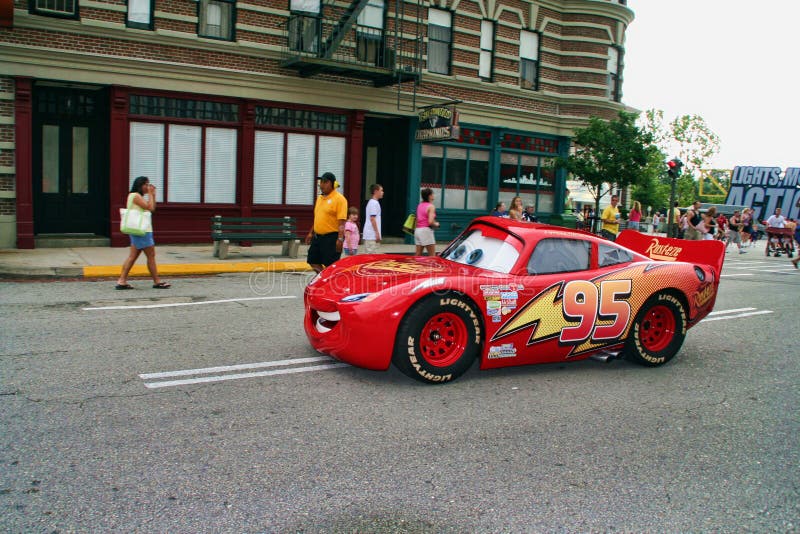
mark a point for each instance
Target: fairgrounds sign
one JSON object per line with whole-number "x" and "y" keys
{"x": 764, "y": 189}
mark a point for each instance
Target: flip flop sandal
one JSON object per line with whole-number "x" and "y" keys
{"x": 161, "y": 285}
{"x": 123, "y": 286}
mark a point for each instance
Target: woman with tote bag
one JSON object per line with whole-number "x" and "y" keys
{"x": 139, "y": 243}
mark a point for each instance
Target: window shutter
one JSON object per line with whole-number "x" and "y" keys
{"x": 184, "y": 163}
{"x": 139, "y": 11}
{"x": 308, "y": 6}
{"x": 529, "y": 45}
{"x": 372, "y": 15}
{"x": 331, "y": 157}
{"x": 220, "y": 171}
{"x": 485, "y": 64}
{"x": 487, "y": 34}
{"x": 300, "y": 179}
{"x": 268, "y": 168}
{"x": 613, "y": 60}
{"x": 439, "y": 17}
{"x": 147, "y": 155}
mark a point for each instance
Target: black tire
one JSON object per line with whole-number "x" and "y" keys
{"x": 658, "y": 332}
{"x": 439, "y": 338}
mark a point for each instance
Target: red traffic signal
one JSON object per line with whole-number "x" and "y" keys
{"x": 674, "y": 167}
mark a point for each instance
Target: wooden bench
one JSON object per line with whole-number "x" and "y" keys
{"x": 225, "y": 230}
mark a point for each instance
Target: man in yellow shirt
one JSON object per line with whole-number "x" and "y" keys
{"x": 326, "y": 237}
{"x": 610, "y": 219}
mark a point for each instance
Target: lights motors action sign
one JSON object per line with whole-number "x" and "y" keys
{"x": 764, "y": 189}
{"x": 438, "y": 123}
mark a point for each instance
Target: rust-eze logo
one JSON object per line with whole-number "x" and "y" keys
{"x": 394, "y": 266}
{"x": 704, "y": 295}
{"x": 657, "y": 251}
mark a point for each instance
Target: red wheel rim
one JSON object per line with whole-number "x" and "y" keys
{"x": 657, "y": 328}
{"x": 443, "y": 339}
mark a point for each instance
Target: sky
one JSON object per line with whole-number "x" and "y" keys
{"x": 733, "y": 62}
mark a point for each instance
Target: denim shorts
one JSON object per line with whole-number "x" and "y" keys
{"x": 142, "y": 241}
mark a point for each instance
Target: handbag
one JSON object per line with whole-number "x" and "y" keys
{"x": 410, "y": 224}
{"x": 133, "y": 221}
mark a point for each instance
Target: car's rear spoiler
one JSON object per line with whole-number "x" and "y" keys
{"x": 661, "y": 248}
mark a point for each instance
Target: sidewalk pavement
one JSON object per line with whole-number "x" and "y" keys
{"x": 172, "y": 260}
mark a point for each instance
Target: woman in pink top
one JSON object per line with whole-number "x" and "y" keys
{"x": 635, "y": 215}
{"x": 426, "y": 222}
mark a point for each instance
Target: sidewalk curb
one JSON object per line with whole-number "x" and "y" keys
{"x": 107, "y": 271}
{"x": 41, "y": 272}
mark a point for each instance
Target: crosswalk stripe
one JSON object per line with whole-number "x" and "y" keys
{"x": 220, "y": 378}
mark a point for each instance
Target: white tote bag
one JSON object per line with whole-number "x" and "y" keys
{"x": 135, "y": 221}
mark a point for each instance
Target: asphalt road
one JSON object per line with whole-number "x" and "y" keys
{"x": 204, "y": 409}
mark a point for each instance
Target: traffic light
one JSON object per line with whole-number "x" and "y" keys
{"x": 674, "y": 167}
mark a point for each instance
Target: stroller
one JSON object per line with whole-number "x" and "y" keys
{"x": 779, "y": 241}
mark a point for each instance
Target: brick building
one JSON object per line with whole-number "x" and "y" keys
{"x": 234, "y": 107}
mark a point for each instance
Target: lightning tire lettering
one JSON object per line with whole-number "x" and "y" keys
{"x": 658, "y": 331}
{"x": 439, "y": 338}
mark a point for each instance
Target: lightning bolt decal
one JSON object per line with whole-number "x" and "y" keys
{"x": 543, "y": 313}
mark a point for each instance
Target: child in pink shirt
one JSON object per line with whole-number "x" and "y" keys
{"x": 351, "y": 235}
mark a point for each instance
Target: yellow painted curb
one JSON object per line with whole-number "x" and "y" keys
{"x": 101, "y": 271}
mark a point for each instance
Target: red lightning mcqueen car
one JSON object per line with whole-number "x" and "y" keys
{"x": 514, "y": 293}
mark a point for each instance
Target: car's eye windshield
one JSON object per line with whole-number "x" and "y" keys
{"x": 483, "y": 251}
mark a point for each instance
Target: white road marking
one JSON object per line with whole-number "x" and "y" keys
{"x": 737, "y": 316}
{"x": 735, "y": 274}
{"x": 735, "y": 310}
{"x": 764, "y": 268}
{"x": 238, "y": 367}
{"x": 220, "y": 378}
{"x": 175, "y": 304}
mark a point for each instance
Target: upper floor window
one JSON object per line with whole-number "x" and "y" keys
{"x": 369, "y": 33}
{"x": 140, "y": 14}
{"x": 529, "y": 60}
{"x": 55, "y": 8}
{"x": 304, "y": 25}
{"x": 216, "y": 19}
{"x": 614, "y": 87}
{"x": 440, "y": 31}
{"x": 487, "y": 50}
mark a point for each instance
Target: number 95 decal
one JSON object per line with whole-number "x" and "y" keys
{"x": 589, "y": 304}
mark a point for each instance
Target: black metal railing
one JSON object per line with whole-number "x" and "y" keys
{"x": 314, "y": 43}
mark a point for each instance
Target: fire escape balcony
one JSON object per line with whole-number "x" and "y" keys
{"x": 338, "y": 45}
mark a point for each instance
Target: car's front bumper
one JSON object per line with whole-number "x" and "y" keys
{"x": 360, "y": 334}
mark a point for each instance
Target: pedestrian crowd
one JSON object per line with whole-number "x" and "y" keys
{"x": 740, "y": 229}
{"x": 518, "y": 210}
{"x": 335, "y": 227}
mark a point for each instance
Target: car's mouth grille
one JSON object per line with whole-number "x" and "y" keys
{"x": 326, "y": 321}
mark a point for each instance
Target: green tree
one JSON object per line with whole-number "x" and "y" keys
{"x": 685, "y": 190}
{"x": 697, "y": 144}
{"x": 611, "y": 154}
{"x": 652, "y": 191}
{"x": 687, "y": 137}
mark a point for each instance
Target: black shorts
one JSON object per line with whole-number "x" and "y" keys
{"x": 322, "y": 250}
{"x": 611, "y": 236}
